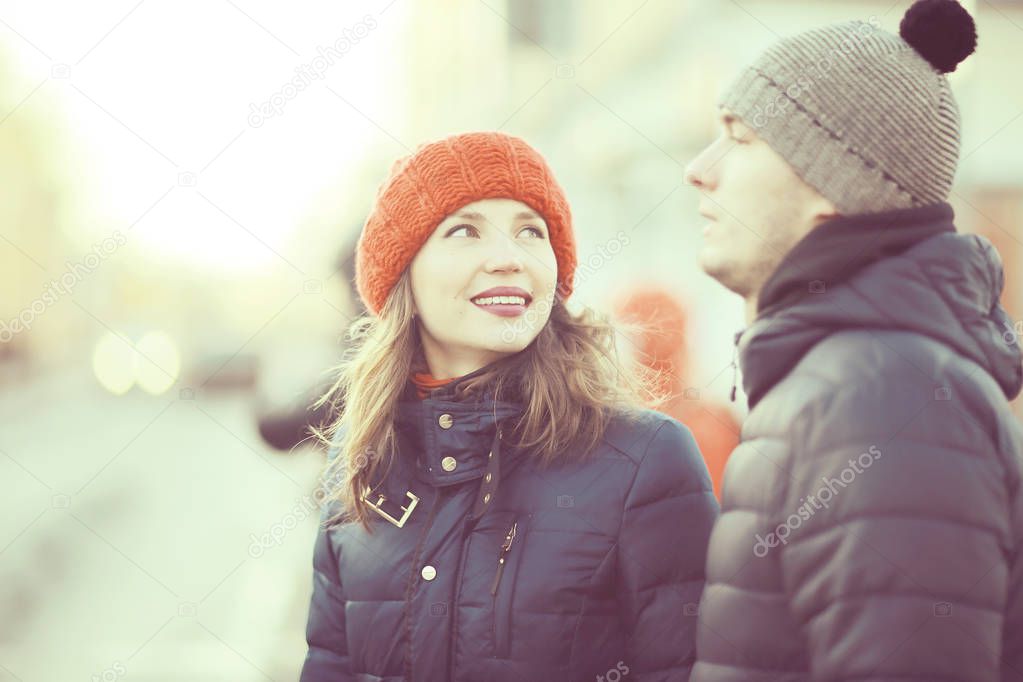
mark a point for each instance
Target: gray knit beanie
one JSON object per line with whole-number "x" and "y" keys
{"x": 865, "y": 117}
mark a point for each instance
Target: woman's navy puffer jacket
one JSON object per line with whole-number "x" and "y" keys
{"x": 600, "y": 579}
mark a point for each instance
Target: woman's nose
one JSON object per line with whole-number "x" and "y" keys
{"x": 505, "y": 256}
{"x": 507, "y": 262}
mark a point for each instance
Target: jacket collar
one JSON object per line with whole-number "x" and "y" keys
{"x": 839, "y": 248}
{"x": 909, "y": 271}
{"x": 450, "y": 441}
{"x": 446, "y": 439}
{"x": 448, "y": 436}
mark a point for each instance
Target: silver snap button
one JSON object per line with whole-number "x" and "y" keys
{"x": 428, "y": 572}
{"x": 446, "y": 421}
{"x": 488, "y": 477}
{"x": 448, "y": 463}
{"x": 486, "y": 498}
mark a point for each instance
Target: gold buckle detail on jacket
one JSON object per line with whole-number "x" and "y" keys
{"x": 375, "y": 506}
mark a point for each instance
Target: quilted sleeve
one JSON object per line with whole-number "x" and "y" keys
{"x": 327, "y": 659}
{"x": 662, "y": 546}
{"x": 893, "y": 538}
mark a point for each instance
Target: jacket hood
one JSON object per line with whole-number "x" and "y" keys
{"x": 945, "y": 287}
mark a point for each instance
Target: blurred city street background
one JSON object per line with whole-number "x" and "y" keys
{"x": 181, "y": 185}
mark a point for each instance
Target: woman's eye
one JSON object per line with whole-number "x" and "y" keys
{"x": 456, "y": 228}
{"x": 537, "y": 230}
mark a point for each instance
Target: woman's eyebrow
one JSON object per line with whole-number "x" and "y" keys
{"x": 470, "y": 215}
{"x": 526, "y": 215}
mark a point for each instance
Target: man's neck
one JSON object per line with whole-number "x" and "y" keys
{"x": 751, "y": 308}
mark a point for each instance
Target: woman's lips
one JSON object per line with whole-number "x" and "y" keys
{"x": 503, "y": 309}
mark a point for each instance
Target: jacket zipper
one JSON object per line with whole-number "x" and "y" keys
{"x": 453, "y": 629}
{"x": 503, "y": 587}
{"x": 413, "y": 577}
{"x": 505, "y": 546}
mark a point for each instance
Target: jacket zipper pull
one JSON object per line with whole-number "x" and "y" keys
{"x": 505, "y": 546}
{"x": 735, "y": 365}
{"x": 731, "y": 395}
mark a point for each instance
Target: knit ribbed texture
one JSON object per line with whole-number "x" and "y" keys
{"x": 442, "y": 177}
{"x": 858, "y": 114}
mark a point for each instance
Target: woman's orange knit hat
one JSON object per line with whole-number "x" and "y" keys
{"x": 438, "y": 179}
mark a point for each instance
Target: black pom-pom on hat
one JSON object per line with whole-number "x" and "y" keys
{"x": 942, "y": 31}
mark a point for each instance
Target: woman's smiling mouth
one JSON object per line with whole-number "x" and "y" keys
{"x": 502, "y": 309}
{"x": 503, "y": 301}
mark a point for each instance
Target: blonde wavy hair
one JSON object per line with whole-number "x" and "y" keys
{"x": 571, "y": 376}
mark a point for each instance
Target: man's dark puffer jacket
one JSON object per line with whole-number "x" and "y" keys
{"x": 601, "y": 579}
{"x": 872, "y": 519}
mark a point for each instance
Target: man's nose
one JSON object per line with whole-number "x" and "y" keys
{"x": 694, "y": 173}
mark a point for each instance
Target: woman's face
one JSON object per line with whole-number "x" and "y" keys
{"x": 482, "y": 285}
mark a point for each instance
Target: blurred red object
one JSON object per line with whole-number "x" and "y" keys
{"x": 661, "y": 347}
